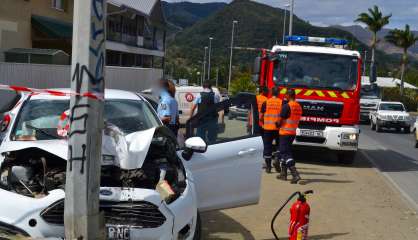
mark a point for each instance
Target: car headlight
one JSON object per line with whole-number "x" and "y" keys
{"x": 383, "y": 117}
{"x": 349, "y": 136}
{"x": 108, "y": 159}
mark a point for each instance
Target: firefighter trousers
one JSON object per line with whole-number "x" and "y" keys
{"x": 286, "y": 150}
{"x": 270, "y": 136}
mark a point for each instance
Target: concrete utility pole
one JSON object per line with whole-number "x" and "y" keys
{"x": 286, "y": 6}
{"x": 230, "y": 57}
{"x": 81, "y": 216}
{"x": 292, "y": 6}
{"x": 204, "y": 65}
{"x": 210, "y": 52}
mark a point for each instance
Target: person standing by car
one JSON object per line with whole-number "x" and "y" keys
{"x": 261, "y": 98}
{"x": 291, "y": 113}
{"x": 208, "y": 121}
{"x": 168, "y": 107}
{"x": 270, "y": 112}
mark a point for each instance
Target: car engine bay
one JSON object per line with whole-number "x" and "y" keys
{"x": 33, "y": 172}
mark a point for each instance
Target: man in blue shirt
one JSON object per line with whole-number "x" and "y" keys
{"x": 168, "y": 108}
{"x": 207, "y": 128}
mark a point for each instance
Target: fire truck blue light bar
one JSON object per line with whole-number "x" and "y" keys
{"x": 334, "y": 41}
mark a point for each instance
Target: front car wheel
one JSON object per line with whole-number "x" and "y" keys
{"x": 198, "y": 229}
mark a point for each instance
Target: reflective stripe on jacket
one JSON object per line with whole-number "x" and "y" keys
{"x": 260, "y": 100}
{"x": 290, "y": 124}
{"x": 272, "y": 114}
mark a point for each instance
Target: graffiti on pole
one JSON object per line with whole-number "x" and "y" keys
{"x": 94, "y": 72}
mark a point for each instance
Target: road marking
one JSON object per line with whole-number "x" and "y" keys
{"x": 406, "y": 197}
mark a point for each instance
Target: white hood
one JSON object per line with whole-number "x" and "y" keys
{"x": 390, "y": 113}
{"x": 129, "y": 151}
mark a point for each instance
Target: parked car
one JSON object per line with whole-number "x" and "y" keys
{"x": 239, "y": 111}
{"x": 134, "y": 200}
{"x": 391, "y": 115}
{"x": 369, "y": 100}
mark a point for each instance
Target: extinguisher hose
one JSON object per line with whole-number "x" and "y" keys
{"x": 278, "y": 212}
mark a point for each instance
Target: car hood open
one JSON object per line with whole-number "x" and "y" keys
{"x": 128, "y": 152}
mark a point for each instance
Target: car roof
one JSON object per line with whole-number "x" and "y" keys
{"x": 109, "y": 94}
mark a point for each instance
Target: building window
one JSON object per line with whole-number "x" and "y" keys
{"x": 58, "y": 4}
{"x": 113, "y": 58}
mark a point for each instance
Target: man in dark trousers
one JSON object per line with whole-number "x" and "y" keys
{"x": 208, "y": 124}
{"x": 291, "y": 113}
{"x": 270, "y": 111}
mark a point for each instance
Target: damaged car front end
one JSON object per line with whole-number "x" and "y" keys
{"x": 145, "y": 190}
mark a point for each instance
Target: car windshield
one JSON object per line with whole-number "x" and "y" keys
{"x": 313, "y": 70}
{"x": 39, "y": 119}
{"x": 391, "y": 107}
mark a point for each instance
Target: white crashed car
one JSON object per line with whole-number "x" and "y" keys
{"x": 33, "y": 168}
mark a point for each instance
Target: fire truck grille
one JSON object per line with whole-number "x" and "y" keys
{"x": 322, "y": 109}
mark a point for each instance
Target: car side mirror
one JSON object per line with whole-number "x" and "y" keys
{"x": 192, "y": 145}
{"x": 8, "y": 99}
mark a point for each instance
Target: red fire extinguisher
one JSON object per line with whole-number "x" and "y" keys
{"x": 299, "y": 217}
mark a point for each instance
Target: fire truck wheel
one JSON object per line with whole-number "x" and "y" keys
{"x": 346, "y": 157}
{"x": 372, "y": 125}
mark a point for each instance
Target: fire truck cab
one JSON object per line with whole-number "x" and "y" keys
{"x": 327, "y": 81}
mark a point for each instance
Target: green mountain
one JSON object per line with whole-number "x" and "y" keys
{"x": 260, "y": 26}
{"x": 186, "y": 14}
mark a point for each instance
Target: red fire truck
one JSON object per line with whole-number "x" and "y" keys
{"x": 327, "y": 81}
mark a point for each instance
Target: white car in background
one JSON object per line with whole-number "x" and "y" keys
{"x": 416, "y": 132}
{"x": 391, "y": 115}
{"x": 135, "y": 201}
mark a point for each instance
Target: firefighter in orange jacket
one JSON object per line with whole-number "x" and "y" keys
{"x": 261, "y": 98}
{"x": 291, "y": 113}
{"x": 270, "y": 111}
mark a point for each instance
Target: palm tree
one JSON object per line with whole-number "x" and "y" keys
{"x": 375, "y": 21}
{"x": 403, "y": 39}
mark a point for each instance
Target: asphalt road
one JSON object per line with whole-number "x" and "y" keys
{"x": 395, "y": 156}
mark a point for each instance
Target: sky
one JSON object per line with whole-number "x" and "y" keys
{"x": 343, "y": 12}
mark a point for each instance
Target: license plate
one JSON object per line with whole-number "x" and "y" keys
{"x": 118, "y": 232}
{"x": 311, "y": 133}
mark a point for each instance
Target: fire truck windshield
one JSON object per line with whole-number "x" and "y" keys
{"x": 315, "y": 70}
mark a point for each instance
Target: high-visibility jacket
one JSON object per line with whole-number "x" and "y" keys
{"x": 289, "y": 125}
{"x": 260, "y": 100}
{"x": 272, "y": 113}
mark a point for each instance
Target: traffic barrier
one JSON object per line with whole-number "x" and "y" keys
{"x": 49, "y": 92}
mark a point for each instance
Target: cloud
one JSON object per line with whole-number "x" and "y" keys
{"x": 331, "y": 12}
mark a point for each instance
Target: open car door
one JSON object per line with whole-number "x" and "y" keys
{"x": 228, "y": 174}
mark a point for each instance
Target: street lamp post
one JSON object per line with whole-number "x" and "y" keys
{"x": 284, "y": 21}
{"x": 204, "y": 66}
{"x": 292, "y": 6}
{"x": 364, "y": 63}
{"x": 232, "y": 50}
{"x": 210, "y": 52}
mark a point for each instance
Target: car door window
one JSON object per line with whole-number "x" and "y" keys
{"x": 229, "y": 120}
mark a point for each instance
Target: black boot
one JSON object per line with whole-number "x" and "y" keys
{"x": 268, "y": 165}
{"x": 283, "y": 173}
{"x": 295, "y": 175}
{"x": 276, "y": 165}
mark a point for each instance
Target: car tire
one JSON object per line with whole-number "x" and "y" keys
{"x": 372, "y": 125}
{"x": 378, "y": 127}
{"x": 346, "y": 157}
{"x": 416, "y": 144}
{"x": 198, "y": 230}
{"x": 407, "y": 130}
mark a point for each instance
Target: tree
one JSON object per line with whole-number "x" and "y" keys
{"x": 375, "y": 21}
{"x": 403, "y": 39}
{"x": 242, "y": 83}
